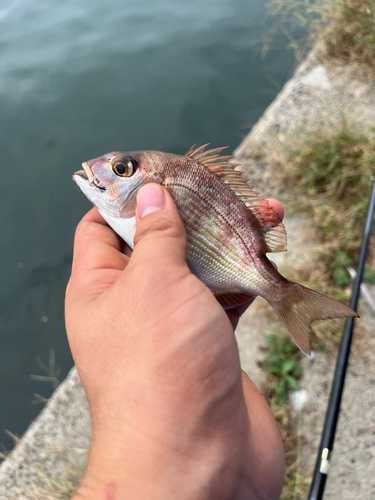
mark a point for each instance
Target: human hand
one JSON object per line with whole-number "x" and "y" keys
{"x": 172, "y": 414}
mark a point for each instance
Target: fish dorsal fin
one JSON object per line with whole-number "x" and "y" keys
{"x": 274, "y": 234}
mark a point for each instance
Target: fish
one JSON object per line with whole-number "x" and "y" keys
{"x": 230, "y": 228}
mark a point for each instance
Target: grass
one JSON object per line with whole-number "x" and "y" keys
{"x": 52, "y": 374}
{"x": 282, "y": 364}
{"x": 296, "y": 484}
{"x": 328, "y": 172}
{"x": 60, "y": 487}
{"x": 69, "y": 462}
{"x": 331, "y": 170}
{"x": 346, "y": 28}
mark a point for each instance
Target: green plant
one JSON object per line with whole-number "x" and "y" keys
{"x": 346, "y": 28}
{"x": 295, "y": 487}
{"x": 332, "y": 171}
{"x": 350, "y": 33}
{"x": 282, "y": 362}
{"x": 369, "y": 276}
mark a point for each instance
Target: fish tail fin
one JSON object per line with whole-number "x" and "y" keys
{"x": 300, "y": 306}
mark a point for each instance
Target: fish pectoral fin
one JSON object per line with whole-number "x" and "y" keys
{"x": 234, "y": 299}
{"x": 300, "y": 306}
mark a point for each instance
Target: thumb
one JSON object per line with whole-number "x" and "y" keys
{"x": 160, "y": 236}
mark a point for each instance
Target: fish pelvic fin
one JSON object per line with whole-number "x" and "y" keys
{"x": 300, "y": 306}
{"x": 229, "y": 300}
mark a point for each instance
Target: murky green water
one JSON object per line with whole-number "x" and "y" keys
{"x": 82, "y": 77}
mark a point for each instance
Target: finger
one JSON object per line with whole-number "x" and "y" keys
{"x": 277, "y": 207}
{"x": 266, "y": 453}
{"x": 96, "y": 246}
{"x": 160, "y": 235}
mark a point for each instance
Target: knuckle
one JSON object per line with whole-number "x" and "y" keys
{"x": 81, "y": 229}
{"x": 85, "y": 229}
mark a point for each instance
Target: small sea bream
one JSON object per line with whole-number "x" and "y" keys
{"x": 229, "y": 228}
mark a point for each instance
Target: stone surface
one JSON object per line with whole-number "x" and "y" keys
{"x": 53, "y": 452}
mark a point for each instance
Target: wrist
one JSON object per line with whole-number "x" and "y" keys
{"x": 206, "y": 468}
{"x": 201, "y": 480}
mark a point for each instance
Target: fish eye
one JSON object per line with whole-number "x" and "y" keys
{"x": 124, "y": 166}
{"x": 120, "y": 169}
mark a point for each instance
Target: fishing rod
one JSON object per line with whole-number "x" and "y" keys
{"x": 333, "y": 409}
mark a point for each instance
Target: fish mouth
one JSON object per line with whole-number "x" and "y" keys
{"x": 87, "y": 169}
{"x": 87, "y": 175}
{"x": 81, "y": 173}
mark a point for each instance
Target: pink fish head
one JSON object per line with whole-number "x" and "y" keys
{"x": 111, "y": 181}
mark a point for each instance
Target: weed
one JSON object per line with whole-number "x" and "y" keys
{"x": 295, "y": 487}
{"x": 345, "y": 27}
{"x": 369, "y": 276}
{"x": 282, "y": 363}
{"x": 52, "y": 373}
{"x": 59, "y": 488}
{"x": 332, "y": 171}
{"x": 350, "y": 33}
{"x": 70, "y": 464}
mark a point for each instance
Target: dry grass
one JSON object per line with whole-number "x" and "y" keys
{"x": 330, "y": 170}
{"x": 296, "y": 482}
{"x": 282, "y": 364}
{"x": 329, "y": 173}
{"x": 346, "y": 28}
{"x": 350, "y": 33}
{"x": 59, "y": 487}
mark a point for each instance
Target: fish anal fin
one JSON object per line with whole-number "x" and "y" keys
{"x": 229, "y": 300}
{"x": 274, "y": 237}
{"x": 300, "y": 306}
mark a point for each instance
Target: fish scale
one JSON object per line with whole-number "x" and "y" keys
{"x": 220, "y": 238}
{"x": 229, "y": 228}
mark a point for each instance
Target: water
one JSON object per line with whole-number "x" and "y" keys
{"x": 82, "y": 77}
